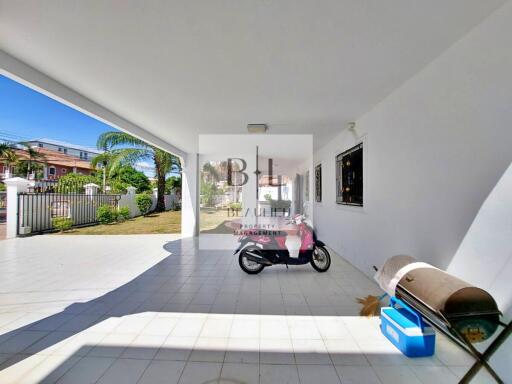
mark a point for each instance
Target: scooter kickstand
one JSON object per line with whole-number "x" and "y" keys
{"x": 286, "y": 266}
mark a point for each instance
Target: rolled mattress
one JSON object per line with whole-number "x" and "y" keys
{"x": 469, "y": 310}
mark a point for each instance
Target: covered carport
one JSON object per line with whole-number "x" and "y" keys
{"x": 421, "y": 88}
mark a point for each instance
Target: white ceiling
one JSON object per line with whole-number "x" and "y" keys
{"x": 181, "y": 68}
{"x": 293, "y": 157}
{"x": 293, "y": 147}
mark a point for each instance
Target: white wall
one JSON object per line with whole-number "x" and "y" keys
{"x": 128, "y": 200}
{"x": 434, "y": 150}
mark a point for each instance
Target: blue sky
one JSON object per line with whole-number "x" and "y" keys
{"x": 27, "y": 114}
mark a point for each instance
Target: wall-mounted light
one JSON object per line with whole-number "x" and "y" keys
{"x": 352, "y": 128}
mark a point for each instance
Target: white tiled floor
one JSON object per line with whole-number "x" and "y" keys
{"x": 155, "y": 309}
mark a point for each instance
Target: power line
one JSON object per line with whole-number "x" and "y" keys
{"x": 11, "y": 136}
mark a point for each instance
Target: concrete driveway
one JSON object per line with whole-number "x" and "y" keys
{"x": 156, "y": 309}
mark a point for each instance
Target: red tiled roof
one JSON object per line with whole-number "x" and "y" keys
{"x": 55, "y": 158}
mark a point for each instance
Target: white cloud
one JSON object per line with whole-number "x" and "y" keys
{"x": 144, "y": 164}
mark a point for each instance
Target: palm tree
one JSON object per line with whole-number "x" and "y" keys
{"x": 33, "y": 156}
{"x": 210, "y": 172}
{"x": 7, "y": 155}
{"x": 109, "y": 161}
{"x": 134, "y": 150}
{"x": 4, "y": 149}
{"x": 10, "y": 159}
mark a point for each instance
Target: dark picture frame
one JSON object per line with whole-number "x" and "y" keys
{"x": 318, "y": 183}
{"x": 349, "y": 176}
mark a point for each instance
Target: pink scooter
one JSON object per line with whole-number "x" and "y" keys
{"x": 259, "y": 249}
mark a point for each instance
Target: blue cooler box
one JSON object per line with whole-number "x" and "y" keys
{"x": 405, "y": 328}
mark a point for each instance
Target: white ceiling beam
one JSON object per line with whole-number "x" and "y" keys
{"x": 32, "y": 78}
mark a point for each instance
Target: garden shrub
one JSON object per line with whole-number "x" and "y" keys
{"x": 144, "y": 202}
{"x": 235, "y": 206}
{"x": 127, "y": 175}
{"x": 172, "y": 185}
{"x": 62, "y": 223}
{"x": 123, "y": 214}
{"x": 105, "y": 214}
{"x": 176, "y": 207}
{"x": 117, "y": 186}
{"x": 208, "y": 193}
{"x": 74, "y": 182}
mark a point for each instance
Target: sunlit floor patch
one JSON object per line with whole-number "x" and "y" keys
{"x": 156, "y": 309}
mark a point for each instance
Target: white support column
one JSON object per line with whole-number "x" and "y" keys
{"x": 249, "y": 200}
{"x": 131, "y": 190}
{"x": 14, "y": 185}
{"x": 190, "y": 197}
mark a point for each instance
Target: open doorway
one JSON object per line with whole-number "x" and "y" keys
{"x": 248, "y": 182}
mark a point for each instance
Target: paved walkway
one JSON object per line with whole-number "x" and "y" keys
{"x": 155, "y": 309}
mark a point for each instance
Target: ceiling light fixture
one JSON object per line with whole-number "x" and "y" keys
{"x": 257, "y": 128}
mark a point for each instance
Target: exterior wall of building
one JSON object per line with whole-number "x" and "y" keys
{"x": 60, "y": 170}
{"x": 82, "y": 154}
{"x": 6, "y": 171}
{"x": 433, "y": 151}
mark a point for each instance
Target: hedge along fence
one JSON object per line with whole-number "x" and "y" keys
{"x": 37, "y": 211}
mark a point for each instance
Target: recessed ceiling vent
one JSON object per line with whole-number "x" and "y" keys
{"x": 257, "y": 128}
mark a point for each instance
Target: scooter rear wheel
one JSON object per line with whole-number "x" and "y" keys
{"x": 320, "y": 260}
{"x": 249, "y": 266}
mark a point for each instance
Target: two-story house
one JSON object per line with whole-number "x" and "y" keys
{"x": 80, "y": 151}
{"x": 58, "y": 159}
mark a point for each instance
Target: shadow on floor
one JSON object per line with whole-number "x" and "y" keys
{"x": 223, "y": 229}
{"x": 172, "y": 285}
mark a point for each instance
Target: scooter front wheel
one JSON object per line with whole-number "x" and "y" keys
{"x": 320, "y": 260}
{"x": 249, "y": 266}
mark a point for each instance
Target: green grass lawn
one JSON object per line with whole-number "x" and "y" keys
{"x": 213, "y": 221}
{"x": 165, "y": 222}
